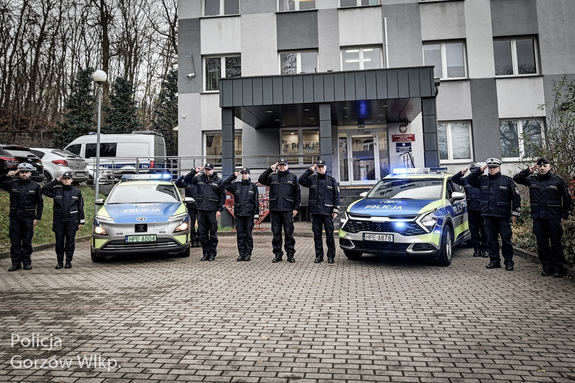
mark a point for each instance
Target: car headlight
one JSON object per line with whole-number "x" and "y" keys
{"x": 182, "y": 227}
{"x": 100, "y": 230}
{"x": 428, "y": 221}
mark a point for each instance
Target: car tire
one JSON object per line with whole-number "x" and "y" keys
{"x": 352, "y": 254}
{"x": 95, "y": 258}
{"x": 47, "y": 177}
{"x": 446, "y": 252}
{"x": 185, "y": 253}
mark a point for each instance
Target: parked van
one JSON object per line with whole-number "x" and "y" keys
{"x": 121, "y": 152}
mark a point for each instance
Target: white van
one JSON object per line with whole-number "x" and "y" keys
{"x": 141, "y": 149}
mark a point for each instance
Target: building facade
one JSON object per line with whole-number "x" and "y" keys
{"x": 369, "y": 85}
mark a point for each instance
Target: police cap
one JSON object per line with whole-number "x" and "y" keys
{"x": 245, "y": 170}
{"x": 542, "y": 161}
{"x": 67, "y": 175}
{"x": 320, "y": 163}
{"x": 493, "y": 162}
{"x": 282, "y": 161}
{"x": 472, "y": 166}
{"x": 25, "y": 167}
{"x": 208, "y": 166}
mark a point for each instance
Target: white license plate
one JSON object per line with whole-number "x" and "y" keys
{"x": 140, "y": 238}
{"x": 378, "y": 237}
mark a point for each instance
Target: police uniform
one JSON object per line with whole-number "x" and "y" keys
{"x": 68, "y": 215}
{"x": 189, "y": 191}
{"x": 476, "y": 225}
{"x": 323, "y": 203}
{"x": 26, "y": 205}
{"x": 550, "y": 200}
{"x": 284, "y": 198}
{"x": 210, "y": 198}
{"x": 246, "y": 209}
{"x": 499, "y": 201}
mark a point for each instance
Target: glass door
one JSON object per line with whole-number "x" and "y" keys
{"x": 363, "y": 157}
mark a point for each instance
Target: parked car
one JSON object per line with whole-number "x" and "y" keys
{"x": 13, "y": 155}
{"x": 412, "y": 212}
{"x": 58, "y": 161}
{"x": 144, "y": 213}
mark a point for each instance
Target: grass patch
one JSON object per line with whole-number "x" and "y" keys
{"x": 43, "y": 232}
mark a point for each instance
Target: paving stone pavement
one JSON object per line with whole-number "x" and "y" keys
{"x": 166, "y": 319}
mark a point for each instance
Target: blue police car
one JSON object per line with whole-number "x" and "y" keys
{"x": 144, "y": 213}
{"x": 415, "y": 212}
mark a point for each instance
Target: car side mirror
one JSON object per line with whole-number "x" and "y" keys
{"x": 99, "y": 202}
{"x": 363, "y": 195}
{"x": 189, "y": 199}
{"x": 457, "y": 196}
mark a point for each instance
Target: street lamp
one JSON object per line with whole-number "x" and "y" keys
{"x": 99, "y": 78}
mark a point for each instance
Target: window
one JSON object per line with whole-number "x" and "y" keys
{"x": 75, "y": 148}
{"x": 298, "y": 142}
{"x": 295, "y": 5}
{"x": 221, "y": 7}
{"x": 220, "y": 67}
{"x": 106, "y": 150}
{"x": 448, "y": 59}
{"x": 361, "y": 58}
{"x": 520, "y": 138}
{"x": 213, "y": 147}
{"x": 454, "y": 141}
{"x": 357, "y": 3}
{"x": 515, "y": 57}
{"x": 298, "y": 62}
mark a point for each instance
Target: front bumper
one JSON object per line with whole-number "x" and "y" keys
{"x": 164, "y": 244}
{"x": 420, "y": 245}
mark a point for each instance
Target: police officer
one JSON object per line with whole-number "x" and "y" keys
{"x": 210, "y": 200}
{"x": 476, "y": 225}
{"x": 246, "y": 210}
{"x": 189, "y": 191}
{"x": 26, "y": 205}
{"x": 285, "y": 200}
{"x": 68, "y": 216}
{"x": 500, "y": 201}
{"x": 550, "y": 199}
{"x": 323, "y": 206}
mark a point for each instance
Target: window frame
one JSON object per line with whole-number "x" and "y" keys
{"x": 298, "y": 60}
{"x": 361, "y": 58}
{"x": 205, "y": 133}
{"x": 222, "y": 70}
{"x": 221, "y": 9}
{"x": 443, "y": 54}
{"x": 521, "y": 138}
{"x": 450, "y": 159}
{"x": 297, "y": 6}
{"x": 514, "y": 61}
{"x": 358, "y": 4}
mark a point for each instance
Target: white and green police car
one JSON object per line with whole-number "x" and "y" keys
{"x": 144, "y": 213}
{"x": 415, "y": 212}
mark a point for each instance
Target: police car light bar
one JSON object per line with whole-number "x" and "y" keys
{"x": 436, "y": 170}
{"x": 143, "y": 177}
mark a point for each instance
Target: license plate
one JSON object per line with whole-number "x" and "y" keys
{"x": 378, "y": 237}
{"x": 140, "y": 238}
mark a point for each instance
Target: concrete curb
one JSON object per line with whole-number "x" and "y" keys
{"x": 533, "y": 257}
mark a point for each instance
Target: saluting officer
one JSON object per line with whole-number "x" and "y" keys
{"x": 285, "y": 201}
{"x": 26, "y": 205}
{"x": 550, "y": 199}
{"x": 323, "y": 206}
{"x": 210, "y": 199}
{"x": 68, "y": 216}
{"x": 189, "y": 190}
{"x": 246, "y": 210}
{"x": 500, "y": 200}
{"x": 476, "y": 225}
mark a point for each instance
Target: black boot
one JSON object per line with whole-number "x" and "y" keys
{"x": 59, "y": 266}
{"x": 291, "y": 259}
{"x": 318, "y": 259}
{"x": 14, "y": 267}
{"x": 494, "y": 265}
{"x": 212, "y": 257}
{"x": 485, "y": 254}
{"x": 240, "y": 258}
{"x": 205, "y": 257}
{"x": 330, "y": 260}
{"x": 247, "y": 257}
{"x": 477, "y": 253}
{"x": 277, "y": 258}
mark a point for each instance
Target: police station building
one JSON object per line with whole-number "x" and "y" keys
{"x": 368, "y": 85}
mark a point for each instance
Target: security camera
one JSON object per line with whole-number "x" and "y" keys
{"x": 190, "y": 75}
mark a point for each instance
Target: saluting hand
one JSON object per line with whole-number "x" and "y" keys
{"x": 483, "y": 168}
{"x": 532, "y": 168}
{"x": 464, "y": 171}
{"x": 313, "y": 167}
{"x": 274, "y": 166}
{"x": 59, "y": 179}
{"x": 13, "y": 172}
{"x": 199, "y": 169}
{"x": 237, "y": 173}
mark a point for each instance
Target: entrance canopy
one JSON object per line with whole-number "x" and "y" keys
{"x": 366, "y": 97}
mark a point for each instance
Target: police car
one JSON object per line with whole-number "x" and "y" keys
{"x": 144, "y": 213}
{"x": 416, "y": 212}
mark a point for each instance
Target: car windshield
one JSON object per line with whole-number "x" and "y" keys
{"x": 423, "y": 189}
{"x": 144, "y": 193}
